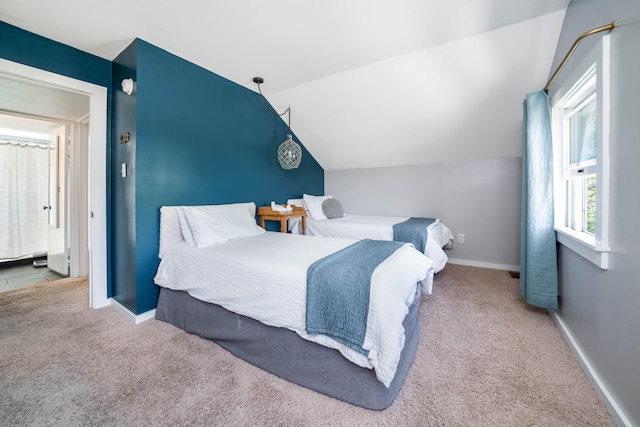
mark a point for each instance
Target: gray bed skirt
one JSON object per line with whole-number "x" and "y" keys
{"x": 284, "y": 354}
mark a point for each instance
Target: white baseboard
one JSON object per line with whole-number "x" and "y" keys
{"x": 135, "y": 318}
{"x": 615, "y": 411}
{"x": 484, "y": 264}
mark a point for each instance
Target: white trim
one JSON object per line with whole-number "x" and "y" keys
{"x": 481, "y": 264}
{"x": 604, "y": 99}
{"x": 151, "y": 314}
{"x": 574, "y": 240}
{"x": 135, "y": 318}
{"x": 615, "y": 410}
{"x": 593, "y": 248}
{"x": 97, "y": 167}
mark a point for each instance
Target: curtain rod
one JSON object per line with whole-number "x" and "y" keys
{"x": 609, "y": 28}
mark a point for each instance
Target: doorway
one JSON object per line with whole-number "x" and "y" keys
{"x": 43, "y": 192}
{"x": 96, "y": 135}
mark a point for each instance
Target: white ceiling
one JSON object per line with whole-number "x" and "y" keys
{"x": 456, "y": 101}
{"x": 50, "y": 103}
{"x": 403, "y": 76}
{"x": 31, "y": 109}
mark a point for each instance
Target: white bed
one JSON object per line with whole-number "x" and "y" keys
{"x": 372, "y": 227}
{"x": 263, "y": 276}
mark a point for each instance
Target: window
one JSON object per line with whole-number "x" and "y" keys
{"x": 580, "y": 121}
{"x": 578, "y": 114}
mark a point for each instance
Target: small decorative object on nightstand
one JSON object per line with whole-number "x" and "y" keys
{"x": 265, "y": 213}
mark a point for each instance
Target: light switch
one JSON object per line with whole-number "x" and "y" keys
{"x": 123, "y": 170}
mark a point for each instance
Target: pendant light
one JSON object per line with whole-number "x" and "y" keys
{"x": 289, "y": 152}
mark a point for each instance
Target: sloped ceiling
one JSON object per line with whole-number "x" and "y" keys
{"x": 369, "y": 82}
{"x": 456, "y": 101}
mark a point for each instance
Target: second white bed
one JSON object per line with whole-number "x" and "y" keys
{"x": 377, "y": 228}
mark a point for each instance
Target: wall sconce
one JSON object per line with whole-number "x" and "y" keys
{"x": 289, "y": 152}
{"x": 127, "y": 86}
{"x": 124, "y": 137}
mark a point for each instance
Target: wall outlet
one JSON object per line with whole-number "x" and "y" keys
{"x": 460, "y": 238}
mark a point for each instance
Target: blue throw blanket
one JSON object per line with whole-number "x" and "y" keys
{"x": 338, "y": 288}
{"x": 413, "y": 230}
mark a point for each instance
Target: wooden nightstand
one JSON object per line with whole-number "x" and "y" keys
{"x": 265, "y": 213}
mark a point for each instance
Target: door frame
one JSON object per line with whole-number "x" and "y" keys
{"x": 97, "y": 185}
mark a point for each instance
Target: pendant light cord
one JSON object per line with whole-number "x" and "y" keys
{"x": 288, "y": 110}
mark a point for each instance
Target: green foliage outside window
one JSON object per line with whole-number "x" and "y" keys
{"x": 591, "y": 204}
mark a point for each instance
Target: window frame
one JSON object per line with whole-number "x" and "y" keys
{"x": 588, "y": 83}
{"x": 593, "y": 247}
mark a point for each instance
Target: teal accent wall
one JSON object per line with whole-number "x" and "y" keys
{"x": 197, "y": 138}
{"x": 30, "y": 49}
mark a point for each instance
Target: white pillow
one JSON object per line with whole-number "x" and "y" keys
{"x": 313, "y": 205}
{"x": 221, "y": 223}
{"x": 170, "y": 232}
{"x": 187, "y": 234}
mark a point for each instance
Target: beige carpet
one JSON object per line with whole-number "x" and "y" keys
{"x": 485, "y": 359}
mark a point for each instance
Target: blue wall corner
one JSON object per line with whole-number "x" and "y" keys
{"x": 40, "y": 52}
{"x": 124, "y": 188}
{"x": 199, "y": 139}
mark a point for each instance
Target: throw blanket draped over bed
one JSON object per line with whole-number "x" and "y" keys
{"x": 338, "y": 288}
{"x": 413, "y": 230}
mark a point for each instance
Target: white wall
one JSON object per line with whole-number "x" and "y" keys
{"x": 477, "y": 198}
{"x": 600, "y": 307}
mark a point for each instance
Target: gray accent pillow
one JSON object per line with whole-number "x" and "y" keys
{"x": 332, "y": 208}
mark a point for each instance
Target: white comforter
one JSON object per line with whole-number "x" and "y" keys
{"x": 377, "y": 228}
{"x": 264, "y": 277}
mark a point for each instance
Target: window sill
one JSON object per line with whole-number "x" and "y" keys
{"x": 584, "y": 245}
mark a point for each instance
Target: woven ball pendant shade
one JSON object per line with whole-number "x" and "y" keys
{"x": 289, "y": 154}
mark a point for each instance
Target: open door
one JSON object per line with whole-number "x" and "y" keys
{"x": 57, "y": 248}
{"x": 78, "y": 201}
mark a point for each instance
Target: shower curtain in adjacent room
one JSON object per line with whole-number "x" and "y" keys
{"x": 23, "y": 193}
{"x": 538, "y": 260}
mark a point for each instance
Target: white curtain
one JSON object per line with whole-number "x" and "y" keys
{"x": 23, "y": 193}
